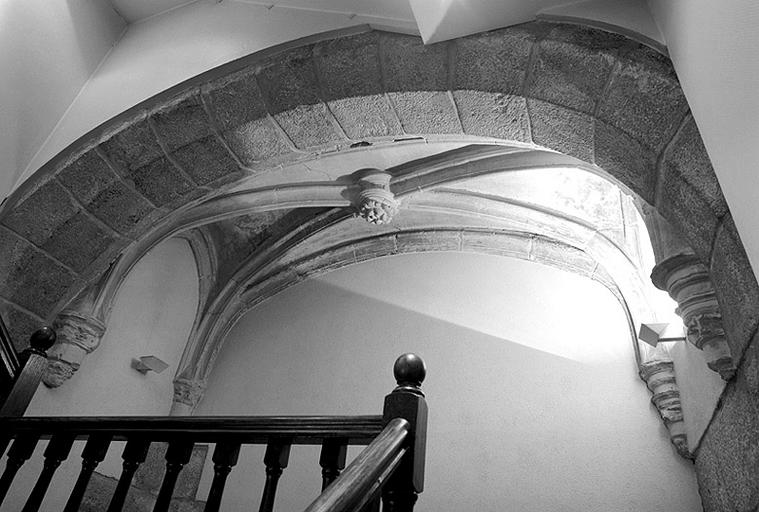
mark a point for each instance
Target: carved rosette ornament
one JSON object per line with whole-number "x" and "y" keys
{"x": 78, "y": 335}
{"x": 187, "y": 395}
{"x": 376, "y": 203}
{"x": 659, "y": 376}
{"x": 687, "y": 281}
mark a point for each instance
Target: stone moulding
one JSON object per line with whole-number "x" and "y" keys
{"x": 78, "y": 335}
{"x": 659, "y": 376}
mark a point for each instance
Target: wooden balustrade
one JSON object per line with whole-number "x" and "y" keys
{"x": 391, "y": 466}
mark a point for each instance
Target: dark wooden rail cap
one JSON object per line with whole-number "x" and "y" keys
{"x": 410, "y": 371}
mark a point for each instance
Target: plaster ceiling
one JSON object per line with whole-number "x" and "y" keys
{"x": 135, "y": 10}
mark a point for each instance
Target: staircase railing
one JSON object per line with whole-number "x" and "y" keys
{"x": 390, "y": 469}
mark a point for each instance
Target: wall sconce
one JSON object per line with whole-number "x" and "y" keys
{"x": 655, "y": 333}
{"x": 145, "y": 364}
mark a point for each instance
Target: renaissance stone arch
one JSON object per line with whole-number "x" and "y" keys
{"x": 191, "y": 156}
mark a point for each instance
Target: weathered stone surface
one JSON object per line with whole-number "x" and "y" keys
{"x": 644, "y": 98}
{"x": 377, "y": 248}
{"x": 625, "y": 159}
{"x": 186, "y": 131}
{"x": 736, "y": 287}
{"x": 687, "y": 156}
{"x": 182, "y": 123}
{"x": 493, "y": 115}
{"x": 241, "y": 115}
{"x": 686, "y": 210}
{"x": 133, "y": 147}
{"x": 205, "y": 160}
{"x": 416, "y": 77}
{"x": 493, "y": 61}
{"x": 52, "y": 221}
{"x": 20, "y": 324}
{"x": 351, "y": 80}
{"x": 409, "y": 65}
{"x": 426, "y": 112}
{"x": 561, "y": 129}
{"x": 29, "y": 278}
{"x": 101, "y": 489}
{"x": 727, "y": 464}
{"x": 80, "y": 241}
{"x": 291, "y": 90}
{"x": 562, "y": 256}
{"x": 38, "y": 216}
{"x": 495, "y": 243}
{"x": 422, "y": 241}
{"x": 104, "y": 195}
{"x": 161, "y": 182}
{"x": 572, "y": 67}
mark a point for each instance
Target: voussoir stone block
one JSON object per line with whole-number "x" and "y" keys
{"x": 687, "y": 156}
{"x": 562, "y": 256}
{"x": 185, "y": 129}
{"x": 493, "y": 115}
{"x": 104, "y": 195}
{"x": 30, "y": 278}
{"x": 50, "y": 219}
{"x": 290, "y": 88}
{"x": 138, "y": 158}
{"x": 736, "y": 288}
{"x": 572, "y": 67}
{"x": 626, "y": 159}
{"x": 644, "y": 98}
{"x": 376, "y": 248}
{"x": 351, "y": 80}
{"x": 242, "y": 118}
{"x": 727, "y": 463}
{"x": 495, "y": 243}
{"x": 423, "y": 241}
{"x": 561, "y": 129}
{"x": 416, "y": 77}
{"x": 687, "y": 211}
{"x": 493, "y": 62}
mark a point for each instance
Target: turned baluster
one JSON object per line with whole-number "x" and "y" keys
{"x": 177, "y": 456}
{"x": 332, "y": 460}
{"x": 224, "y": 459}
{"x": 34, "y": 364}
{"x": 276, "y": 458}
{"x": 21, "y": 450}
{"x": 407, "y": 401}
{"x": 92, "y": 455}
{"x": 135, "y": 452}
{"x": 56, "y": 452}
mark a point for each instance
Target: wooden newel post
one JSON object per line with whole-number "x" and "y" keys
{"x": 33, "y": 366}
{"x": 407, "y": 402}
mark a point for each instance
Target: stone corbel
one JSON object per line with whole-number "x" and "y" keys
{"x": 79, "y": 333}
{"x": 659, "y": 376}
{"x": 680, "y": 273}
{"x": 187, "y": 395}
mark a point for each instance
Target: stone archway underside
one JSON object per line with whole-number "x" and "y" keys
{"x": 600, "y": 98}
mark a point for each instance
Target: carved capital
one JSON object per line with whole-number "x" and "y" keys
{"x": 188, "y": 392}
{"x": 78, "y": 335}
{"x": 659, "y": 376}
{"x": 688, "y": 282}
{"x": 376, "y": 203}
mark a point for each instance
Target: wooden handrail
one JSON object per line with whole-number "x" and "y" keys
{"x": 357, "y": 430}
{"x": 366, "y": 472}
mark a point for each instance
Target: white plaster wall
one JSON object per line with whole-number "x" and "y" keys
{"x": 152, "y": 315}
{"x": 162, "y": 51}
{"x": 714, "y": 48}
{"x": 48, "y": 49}
{"x": 534, "y": 399}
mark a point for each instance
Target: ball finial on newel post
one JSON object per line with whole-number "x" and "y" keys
{"x": 409, "y": 370}
{"x": 42, "y": 339}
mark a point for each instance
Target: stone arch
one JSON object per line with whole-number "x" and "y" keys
{"x": 601, "y": 98}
